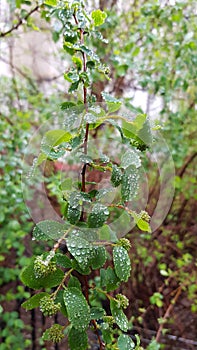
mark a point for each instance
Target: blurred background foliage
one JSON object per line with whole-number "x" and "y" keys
{"x": 152, "y": 54}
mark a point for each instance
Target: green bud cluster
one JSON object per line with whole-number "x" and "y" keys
{"x": 48, "y": 307}
{"x": 55, "y": 333}
{"x": 42, "y": 266}
{"x": 144, "y": 216}
{"x": 125, "y": 243}
{"x": 109, "y": 320}
{"x": 123, "y": 302}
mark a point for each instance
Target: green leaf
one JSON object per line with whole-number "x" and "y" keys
{"x": 77, "y": 339}
{"x": 41, "y": 158}
{"x": 63, "y": 260}
{"x": 130, "y": 157}
{"x": 131, "y": 128}
{"x": 109, "y": 279}
{"x": 74, "y": 282}
{"x": 67, "y": 105}
{"x": 81, "y": 249}
{"x": 77, "y": 308}
{"x": 67, "y": 184}
{"x": 119, "y": 316}
{"x": 54, "y": 138}
{"x": 49, "y": 229}
{"x": 96, "y": 313}
{"x": 116, "y": 176}
{"x": 78, "y": 62}
{"x": 90, "y": 64}
{"x": 50, "y": 2}
{"x": 122, "y": 263}
{"x": 98, "y": 17}
{"x": 74, "y": 86}
{"x": 153, "y": 345}
{"x": 73, "y": 214}
{"x": 99, "y": 258}
{"x": 60, "y": 299}
{"x": 129, "y": 186}
{"x": 98, "y": 215}
{"x": 125, "y": 342}
{"x": 143, "y": 225}
{"x": 34, "y": 301}
{"x": 113, "y": 103}
{"x": 30, "y": 280}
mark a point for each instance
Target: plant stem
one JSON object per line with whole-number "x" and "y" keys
{"x": 85, "y": 145}
{"x": 62, "y": 282}
{"x": 167, "y": 313}
{"x": 19, "y": 23}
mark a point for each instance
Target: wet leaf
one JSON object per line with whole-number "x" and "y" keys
{"x": 109, "y": 279}
{"x": 116, "y": 176}
{"x": 29, "y": 278}
{"x": 130, "y": 179}
{"x": 99, "y": 258}
{"x": 81, "y": 250}
{"x": 54, "y": 138}
{"x": 130, "y": 157}
{"x": 113, "y": 104}
{"x": 118, "y": 315}
{"x": 49, "y": 229}
{"x": 125, "y": 342}
{"x": 122, "y": 263}
{"x": 98, "y": 215}
{"x": 34, "y": 301}
{"x": 77, "y": 308}
{"x": 77, "y": 339}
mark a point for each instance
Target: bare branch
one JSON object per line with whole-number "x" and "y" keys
{"x": 20, "y": 22}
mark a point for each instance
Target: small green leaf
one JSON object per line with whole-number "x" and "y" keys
{"x": 77, "y": 339}
{"x": 73, "y": 214}
{"x": 78, "y": 62}
{"x": 122, "y": 263}
{"x": 98, "y": 17}
{"x": 129, "y": 186}
{"x": 34, "y": 301}
{"x": 60, "y": 299}
{"x": 130, "y": 157}
{"x": 49, "y": 229}
{"x": 90, "y": 64}
{"x": 99, "y": 258}
{"x": 109, "y": 279}
{"x": 77, "y": 308}
{"x": 119, "y": 316}
{"x": 51, "y": 2}
{"x": 63, "y": 260}
{"x": 30, "y": 280}
{"x": 143, "y": 225}
{"x": 74, "y": 86}
{"x": 125, "y": 342}
{"x": 67, "y": 105}
{"x": 74, "y": 282}
{"x": 113, "y": 103}
{"x": 54, "y": 138}
{"x": 81, "y": 249}
{"x": 131, "y": 128}
{"x": 116, "y": 176}
{"x": 98, "y": 215}
{"x": 96, "y": 313}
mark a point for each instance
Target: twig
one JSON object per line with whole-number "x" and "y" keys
{"x": 186, "y": 164}
{"x": 167, "y": 313}
{"x": 20, "y": 22}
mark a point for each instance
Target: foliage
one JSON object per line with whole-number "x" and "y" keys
{"x": 86, "y": 213}
{"x": 151, "y": 49}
